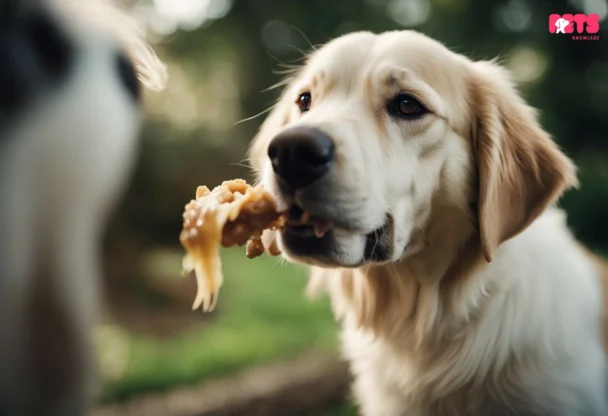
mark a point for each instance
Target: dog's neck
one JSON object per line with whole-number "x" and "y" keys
{"x": 423, "y": 298}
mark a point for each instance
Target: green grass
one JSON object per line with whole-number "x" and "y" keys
{"x": 264, "y": 316}
{"x": 346, "y": 409}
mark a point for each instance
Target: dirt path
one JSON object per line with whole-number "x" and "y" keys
{"x": 298, "y": 387}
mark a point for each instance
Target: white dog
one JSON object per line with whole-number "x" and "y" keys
{"x": 561, "y": 25}
{"x": 69, "y": 120}
{"x": 460, "y": 289}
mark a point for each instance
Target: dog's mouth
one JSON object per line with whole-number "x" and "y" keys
{"x": 315, "y": 239}
{"x": 306, "y": 225}
{"x": 379, "y": 244}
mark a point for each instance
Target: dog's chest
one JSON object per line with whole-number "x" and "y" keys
{"x": 389, "y": 382}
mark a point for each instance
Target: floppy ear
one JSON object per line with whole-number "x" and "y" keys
{"x": 521, "y": 170}
{"x": 113, "y": 19}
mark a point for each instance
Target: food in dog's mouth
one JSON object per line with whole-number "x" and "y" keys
{"x": 323, "y": 243}
{"x": 302, "y": 222}
{"x": 233, "y": 214}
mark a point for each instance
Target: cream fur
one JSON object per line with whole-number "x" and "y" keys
{"x": 487, "y": 304}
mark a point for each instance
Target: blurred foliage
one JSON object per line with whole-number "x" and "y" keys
{"x": 221, "y": 55}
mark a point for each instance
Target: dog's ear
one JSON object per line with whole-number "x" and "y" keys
{"x": 113, "y": 20}
{"x": 521, "y": 170}
{"x": 279, "y": 117}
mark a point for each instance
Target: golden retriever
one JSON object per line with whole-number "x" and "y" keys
{"x": 459, "y": 287}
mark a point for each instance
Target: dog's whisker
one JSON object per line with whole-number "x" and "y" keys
{"x": 250, "y": 168}
{"x": 291, "y": 66}
{"x": 253, "y": 159}
{"x": 288, "y": 71}
{"x": 373, "y": 251}
{"x": 304, "y": 54}
{"x": 277, "y": 85}
{"x": 312, "y": 47}
{"x": 253, "y": 117}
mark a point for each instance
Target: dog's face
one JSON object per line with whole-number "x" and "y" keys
{"x": 377, "y": 132}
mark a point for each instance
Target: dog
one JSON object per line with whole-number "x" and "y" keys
{"x": 459, "y": 288}
{"x": 561, "y": 25}
{"x": 71, "y": 83}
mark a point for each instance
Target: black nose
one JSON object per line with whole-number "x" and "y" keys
{"x": 300, "y": 156}
{"x": 34, "y": 53}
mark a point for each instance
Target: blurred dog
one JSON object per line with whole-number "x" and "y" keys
{"x": 71, "y": 79}
{"x": 461, "y": 290}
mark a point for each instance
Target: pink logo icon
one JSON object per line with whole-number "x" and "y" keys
{"x": 580, "y": 26}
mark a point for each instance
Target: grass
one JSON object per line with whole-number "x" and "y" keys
{"x": 346, "y": 409}
{"x": 264, "y": 316}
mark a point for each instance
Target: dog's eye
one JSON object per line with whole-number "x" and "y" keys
{"x": 406, "y": 106}
{"x": 304, "y": 102}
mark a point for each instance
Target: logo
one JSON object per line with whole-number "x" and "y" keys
{"x": 579, "y": 26}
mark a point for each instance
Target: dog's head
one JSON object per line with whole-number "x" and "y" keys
{"x": 381, "y": 134}
{"x": 70, "y": 102}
